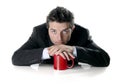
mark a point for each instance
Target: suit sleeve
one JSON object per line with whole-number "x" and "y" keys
{"x": 92, "y": 54}
{"x": 29, "y": 53}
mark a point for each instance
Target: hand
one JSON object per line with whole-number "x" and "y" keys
{"x": 64, "y": 50}
{"x": 66, "y": 55}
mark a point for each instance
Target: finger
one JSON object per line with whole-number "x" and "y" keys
{"x": 66, "y": 55}
{"x": 62, "y": 55}
{"x": 50, "y": 47}
{"x": 58, "y": 52}
{"x": 51, "y": 51}
{"x": 54, "y": 51}
{"x": 71, "y": 55}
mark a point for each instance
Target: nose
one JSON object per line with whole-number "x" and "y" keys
{"x": 59, "y": 37}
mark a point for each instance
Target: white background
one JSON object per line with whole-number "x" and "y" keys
{"x": 17, "y": 19}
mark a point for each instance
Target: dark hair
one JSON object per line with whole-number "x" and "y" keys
{"x": 60, "y": 14}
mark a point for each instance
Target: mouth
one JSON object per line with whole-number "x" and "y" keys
{"x": 59, "y": 43}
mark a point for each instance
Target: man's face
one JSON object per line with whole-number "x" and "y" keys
{"x": 60, "y": 33}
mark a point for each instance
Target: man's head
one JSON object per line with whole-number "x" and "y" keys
{"x": 60, "y": 23}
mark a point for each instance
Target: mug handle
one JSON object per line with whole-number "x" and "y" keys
{"x": 72, "y": 63}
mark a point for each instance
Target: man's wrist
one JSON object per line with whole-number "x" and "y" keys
{"x": 45, "y": 54}
{"x": 74, "y": 51}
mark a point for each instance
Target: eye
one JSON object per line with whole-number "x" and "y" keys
{"x": 66, "y": 31}
{"x": 53, "y": 31}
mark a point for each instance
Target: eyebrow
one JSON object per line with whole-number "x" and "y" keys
{"x": 52, "y": 29}
{"x": 62, "y": 30}
{"x": 66, "y": 28}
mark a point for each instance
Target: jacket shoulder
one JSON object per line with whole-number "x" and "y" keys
{"x": 41, "y": 27}
{"x": 81, "y": 30}
{"x": 79, "y": 27}
{"x": 41, "y": 30}
{"x": 80, "y": 35}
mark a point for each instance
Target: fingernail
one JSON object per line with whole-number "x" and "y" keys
{"x": 73, "y": 57}
{"x": 64, "y": 58}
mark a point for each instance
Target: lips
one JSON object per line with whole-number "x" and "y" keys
{"x": 59, "y": 42}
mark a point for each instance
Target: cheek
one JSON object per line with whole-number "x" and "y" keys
{"x": 52, "y": 37}
{"x": 66, "y": 37}
{"x": 50, "y": 34}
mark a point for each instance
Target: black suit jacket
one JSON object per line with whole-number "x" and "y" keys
{"x": 87, "y": 50}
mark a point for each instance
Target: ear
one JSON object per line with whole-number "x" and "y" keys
{"x": 73, "y": 27}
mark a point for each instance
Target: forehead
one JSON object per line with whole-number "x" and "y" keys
{"x": 58, "y": 26}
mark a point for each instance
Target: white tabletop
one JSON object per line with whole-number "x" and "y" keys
{"x": 47, "y": 74}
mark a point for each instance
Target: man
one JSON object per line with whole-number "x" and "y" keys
{"x": 60, "y": 35}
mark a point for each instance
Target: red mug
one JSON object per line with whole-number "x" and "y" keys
{"x": 61, "y": 64}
